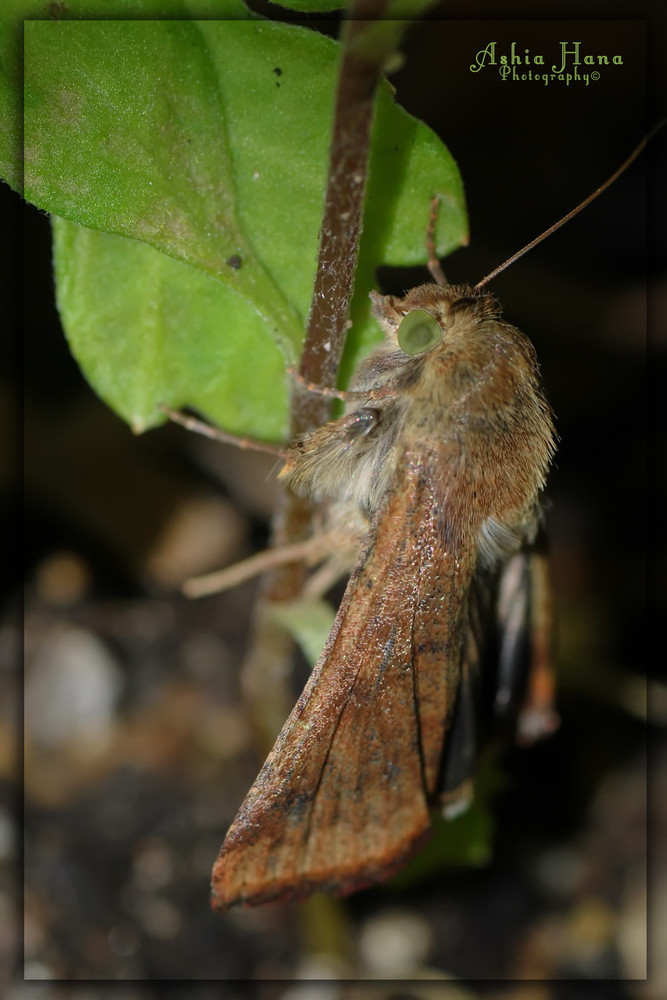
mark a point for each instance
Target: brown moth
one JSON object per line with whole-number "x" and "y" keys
{"x": 436, "y": 471}
{"x": 445, "y": 449}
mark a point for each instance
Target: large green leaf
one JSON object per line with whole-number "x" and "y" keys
{"x": 395, "y": 8}
{"x": 15, "y": 12}
{"x": 311, "y": 6}
{"x": 195, "y": 156}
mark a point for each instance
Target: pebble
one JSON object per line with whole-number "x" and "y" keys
{"x": 72, "y": 689}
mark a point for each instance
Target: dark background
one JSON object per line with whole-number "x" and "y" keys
{"x": 120, "y": 842}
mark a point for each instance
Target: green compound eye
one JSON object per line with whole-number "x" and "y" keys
{"x": 418, "y": 332}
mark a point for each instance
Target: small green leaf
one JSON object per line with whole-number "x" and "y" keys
{"x": 308, "y": 621}
{"x": 466, "y": 839}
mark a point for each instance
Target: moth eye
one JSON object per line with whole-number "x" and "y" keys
{"x": 418, "y": 332}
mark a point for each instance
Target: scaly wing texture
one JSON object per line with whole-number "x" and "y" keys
{"x": 341, "y": 801}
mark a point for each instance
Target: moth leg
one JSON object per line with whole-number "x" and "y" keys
{"x": 337, "y": 534}
{"x": 215, "y": 434}
{"x": 538, "y": 716}
{"x": 345, "y": 395}
{"x": 320, "y": 453}
{"x": 311, "y": 550}
{"x": 329, "y": 573}
{"x": 433, "y": 264}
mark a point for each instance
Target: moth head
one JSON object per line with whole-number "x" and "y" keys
{"x": 423, "y": 318}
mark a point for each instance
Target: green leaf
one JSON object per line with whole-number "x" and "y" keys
{"x": 466, "y": 839}
{"x": 147, "y": 328}
{"x": 308, "y": 621}
{"x": 202, "y": 146}
{"x": 395, "y": 9}
{"x": 15, "y": 12}
{"x": 312, "y": 6}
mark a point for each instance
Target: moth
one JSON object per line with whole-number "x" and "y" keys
{"x": 436, "y": 472}
{"x": 445, "y": 451}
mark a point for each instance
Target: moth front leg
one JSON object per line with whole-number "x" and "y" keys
{"x": 345, "y": 395}
{"x": 322, "y": 463}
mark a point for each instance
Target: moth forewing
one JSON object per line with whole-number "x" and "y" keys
{"x": 444, "y": 448}
{"x": 340, "y": 801}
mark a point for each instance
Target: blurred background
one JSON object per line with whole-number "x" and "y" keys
{"x": 138, "y": 751}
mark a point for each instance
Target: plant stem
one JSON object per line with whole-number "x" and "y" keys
{"x": 367, "y": 44}
{"x": 342, "y": 218}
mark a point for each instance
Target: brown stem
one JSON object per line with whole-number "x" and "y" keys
{"x": 340, "y": 233}
{"x": 364, "y": 52}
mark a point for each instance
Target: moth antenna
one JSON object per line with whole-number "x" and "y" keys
{"x": 575, "y": 211}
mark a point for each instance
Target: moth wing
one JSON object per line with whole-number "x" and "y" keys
{"x": 461, "y": 750}
{"x": 507, "y": 677}
{"x": 341, "y": 801}
{"x": 526, "y": 673}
